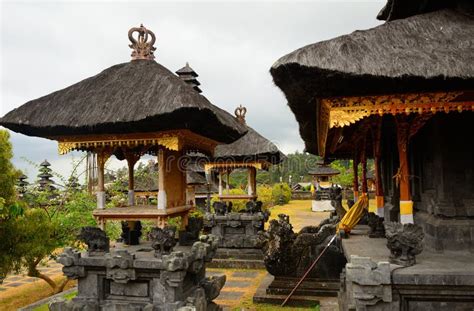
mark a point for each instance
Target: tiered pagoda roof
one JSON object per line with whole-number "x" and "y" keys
{"x": 188, "y": 75}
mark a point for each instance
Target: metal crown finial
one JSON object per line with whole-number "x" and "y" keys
{"x": 240, "y": 113}
{"x": 142, "y": 47}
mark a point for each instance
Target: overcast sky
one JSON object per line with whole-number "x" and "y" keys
{"x": 47, "y": 46}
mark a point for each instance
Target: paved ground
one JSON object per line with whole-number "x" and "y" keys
{"x": 51, "y": 269}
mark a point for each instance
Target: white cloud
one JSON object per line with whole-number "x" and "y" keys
{"x": 46, "y": 46}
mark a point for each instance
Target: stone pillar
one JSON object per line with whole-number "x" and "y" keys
{"x": 162, "y": 200}
{"x": 101, "y": 159}
{"x": 251, "y": 181}
{"x": 220, "y": 182}
{"x": 402, "y": 176}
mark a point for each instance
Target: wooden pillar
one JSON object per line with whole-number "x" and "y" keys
{"x": 228, "y": 182}
{"x": 355, "y": 182}
{"x": 101, "y": 159}
{"x": 220, "y": 182}
{"x": 162, "y": 200}
{"x": 406, "y": 204}
{"x": 132, "y": 159}
{"x": 376, "y": 142}
{"x": 363, "y": 160}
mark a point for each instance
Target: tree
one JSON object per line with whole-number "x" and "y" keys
{"x": 33, "y": 228}
{"x": 8, "y": 174}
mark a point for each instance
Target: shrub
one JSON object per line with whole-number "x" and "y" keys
{"x": 264, "y": 193}
{"x": 281, "y": 193}
{"x": 237, "y": 205}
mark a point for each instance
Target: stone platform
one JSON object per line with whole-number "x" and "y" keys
{"x": 438, "y": 281}
{"x": 138, "y": 278}
{"x": 245, "y": 258}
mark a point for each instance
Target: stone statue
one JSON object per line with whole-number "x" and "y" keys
{"x": 96, "y": 240}
{"x": 377, "y": 230}
{"x": 335, "y": 194}
{"x": 220, "y": 208}
{"x": 404, "y": 242}
{"x": 289, "y": 254}
{"x": 131, "y": 235}
{"x": 163, "y": 240}
{"x": 191, "y": 234}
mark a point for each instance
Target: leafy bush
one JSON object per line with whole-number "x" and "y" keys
{"x": 264, "y": 193}
{"x": 237, "y": 205}
{"x": 281, "y": 193}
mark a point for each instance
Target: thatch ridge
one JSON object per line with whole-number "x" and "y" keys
{"x": 427, "y": 52}
{"x": 251, "y": 146}
{"x": 137, "y": 96}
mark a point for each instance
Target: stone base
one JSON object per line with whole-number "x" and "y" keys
{"x": 245, "y": 258}
{"x": 297, "y": 300}
{"x": 446, "y": 234}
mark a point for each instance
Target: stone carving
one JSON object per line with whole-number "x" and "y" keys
{"x": 377, "y": 229}
{"x": 131, "y": 232}
{"x": 335, "y": 193}
{"x": 119, "y": 266}
{"x": 365, "y": 284}
{"x": 96, "y": 240}
{"x": 69, "y": 259}
{"x": 133, "y": 280}
{"x": 163, "y": 240}
{"x": 142, "y": 47}
{"x": 404, "y": 242}
{"x": 236, "y": 230}
{"x": 290, "y": 254}
{"x": 221, "y": 209}
{"x": 191, "y": 234}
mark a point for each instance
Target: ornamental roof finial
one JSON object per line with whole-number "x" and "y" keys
{"x": 240, "y": 113}
{"x": 142, "y": 47}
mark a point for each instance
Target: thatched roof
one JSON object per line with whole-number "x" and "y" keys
{"x": 133, "y": 97}
{"x": 426, "y": 52}
{"x": 252, "y": 146}
{"x": 194, "y": 178}
{"x": 323, "y": 170}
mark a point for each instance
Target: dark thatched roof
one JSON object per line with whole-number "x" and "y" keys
{"x": 323, "y": 170}
{"x": 397, "y": 9}
{"x": 133, "y": 97}
{"x": 252, "y": 146}
{"x": 421, "y": 53}
{"x": 194, "y": 178}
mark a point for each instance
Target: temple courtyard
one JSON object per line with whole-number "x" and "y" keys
{"x": 19, "y": 290}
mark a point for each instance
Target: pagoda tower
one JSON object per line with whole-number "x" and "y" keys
{"x": 188, "y": 75}
{"x": 22, "y": 184}
{"x": 45, "y": 181}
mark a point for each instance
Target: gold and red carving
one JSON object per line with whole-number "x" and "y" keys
{"x": 345, "y": 111}
{"x": 172, "y": 140}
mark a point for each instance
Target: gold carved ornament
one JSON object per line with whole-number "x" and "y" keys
{"x": 348, "y": 110}
{"x": 171, "y": 143}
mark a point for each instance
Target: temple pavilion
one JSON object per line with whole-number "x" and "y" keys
{"x": 129, "y": 110}
{"x": 403, "y": 94}
{"x": 252, "y": 152}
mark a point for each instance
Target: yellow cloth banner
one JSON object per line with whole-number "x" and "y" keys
{"x": 352, "y": 217}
